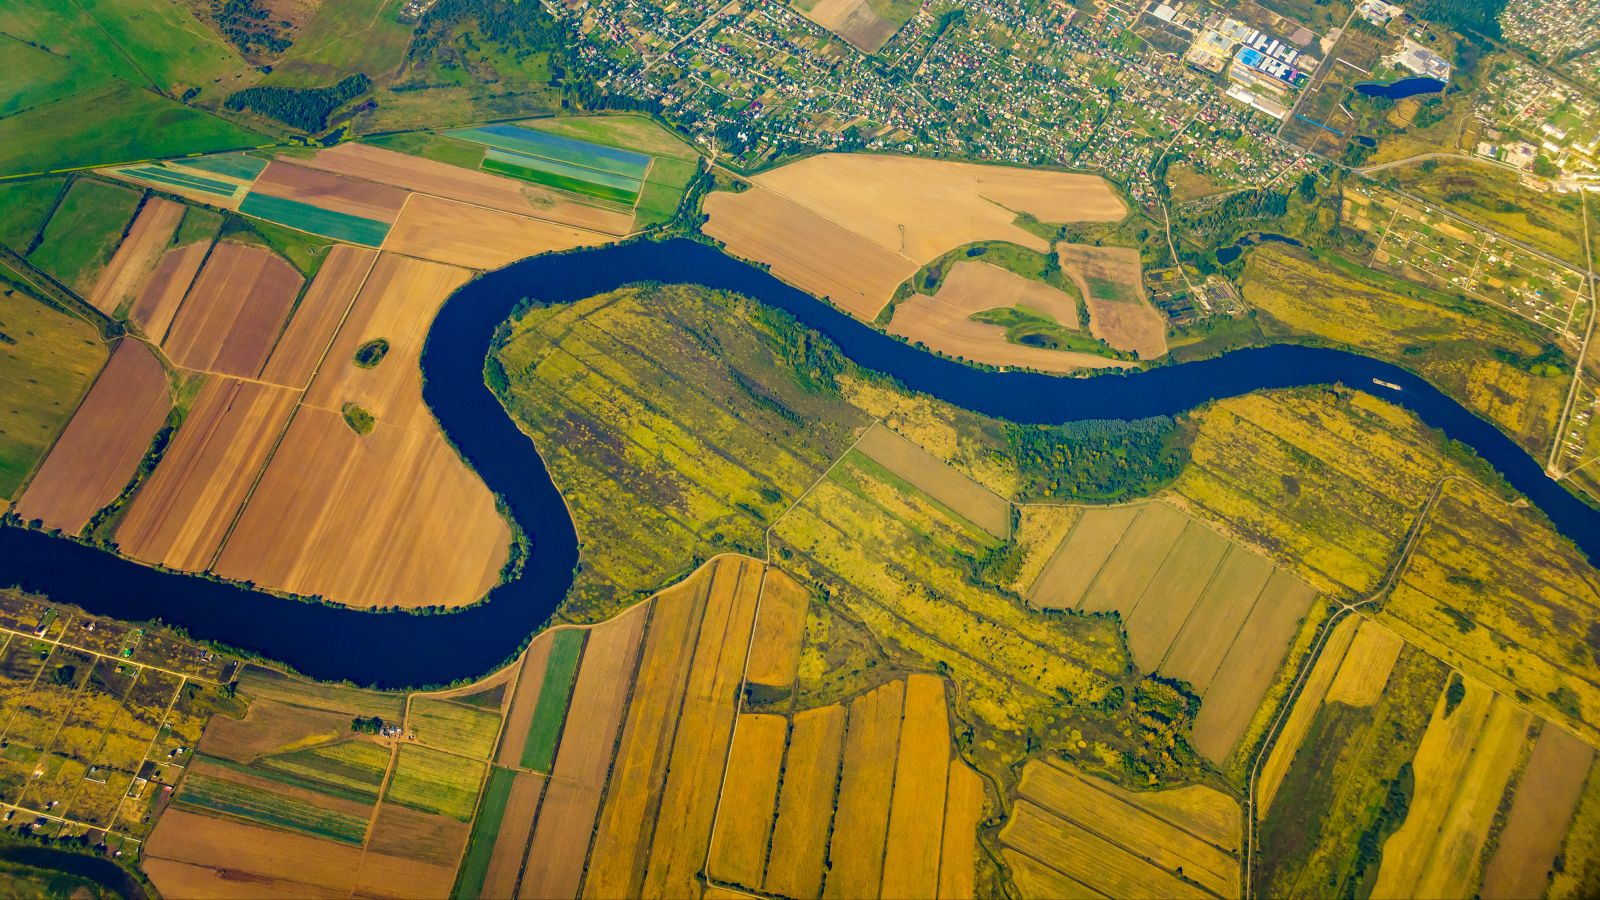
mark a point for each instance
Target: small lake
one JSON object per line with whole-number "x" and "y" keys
{"x": 1400, "y": 90}
{"x": 1232, "y": 252}
{"x": 97, "y": 869}
{"x": 400, "y": 649}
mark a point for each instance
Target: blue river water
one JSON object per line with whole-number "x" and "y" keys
{"x": 1400, "y": 90}
{"x": 397, "y": 649}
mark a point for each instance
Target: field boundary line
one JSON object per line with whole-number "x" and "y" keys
{"x": 767, "y": 535}
{"x": 1054, "y": 763}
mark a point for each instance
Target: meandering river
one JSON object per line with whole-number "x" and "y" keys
{"x": 398, "y": 649}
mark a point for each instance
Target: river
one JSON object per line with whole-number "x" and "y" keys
{"x": 398, "y": 649}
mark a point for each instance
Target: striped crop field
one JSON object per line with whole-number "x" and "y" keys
{"x": 233, "y": 165}
{"x": 528, "y": 142}
{"x": 257, "y": 805}
{"x": 563, "y": 176}
{"x": 176, "y": 178}
{"x": 305, "y": 217}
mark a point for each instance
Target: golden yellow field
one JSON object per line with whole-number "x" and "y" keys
{"x": 805, "y": 804}
{"x": 478, "y": 238}
{"x": 780, "y": 627}
{"x": 866, "y": 788}
{"x": 922, "y": 769}
{"x": 852, "y": 227}
{"x": 1366, "y": 666}
{"x": 749, "y": 793}
{"x": 1298, "y": 722}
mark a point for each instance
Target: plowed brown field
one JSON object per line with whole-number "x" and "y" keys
{"x": 366, "y": 199}
{"x": 317, "y": 318}
{"x": 101, "y": 447}
{"x": 477, "y": 237}
{"x": 232, "y": 315}
{"x": 137, "y": 254}
{"x": 158, "y": 301}
{"x": 184, "y": 510}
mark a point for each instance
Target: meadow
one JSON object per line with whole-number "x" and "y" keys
{"x": 1492, "y": 197}
{"x": 48, "y": 360}
{"x": 83, "y": 232}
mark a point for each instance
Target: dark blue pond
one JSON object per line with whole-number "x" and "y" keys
{"x": 1400, "y": 90}
{"x": 400, "y": 649}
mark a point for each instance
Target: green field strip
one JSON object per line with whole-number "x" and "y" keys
{"x": 485, "y": 831}
{"x": 290, "y": 778}
{"x": 560, "y": 672}
{"x": 233, "y": 165}
{"x": 184, "y": 180}
{"x": 564, "y": 169}
{"x": 595, "y": 157}
{"x": 242, "y": 801}
{"x": 305, "y": 217}
{"x": 560, "y": 182}
{"x": 357, "y": 767}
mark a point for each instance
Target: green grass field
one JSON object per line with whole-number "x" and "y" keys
{"x": 84, "y": 231}
{"x": 344, "y": 37}
{"x": 436, "y": 782}
{"x": 432, "y": 146}
{"x": 233, "y": 165}
{"x": 164, "y": 39}
{"x": 256, "y": 805}
{"x": 626, "y": 132}
{"x": 114, "y": 123}
{"x": 199, "y": 224}
{"x": 485, "y": 829}
{"x": 561, "y": 669}
{"x": 305, "y": 217}
{"x": 24, "y": 206}
{"x": 48, "y": 359}
{"x": 454, "y": 726}
{"x": 500, "y": 165}
{"x": 35, "y": 77}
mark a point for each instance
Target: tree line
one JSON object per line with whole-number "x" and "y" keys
{"x": 304, "y": 109}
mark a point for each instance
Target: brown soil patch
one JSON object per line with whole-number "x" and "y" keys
{"x": 479, "y": 238}
{"x": 183, "y": 511}
{"x": 232, "y": 316}
{"x": 516, "y": 828}
{"x": 1119, "y": 311}
{"x": 158, "y": 301}
{"x": 977, "y": 286}
{"x": 361, "y": 519}
{"x": 137, "y": 254}
{"x": 271, "y": 727}
{"x": 950, "y": 330}
{"x": 257, "y": 860}
{"x": 366, "y": 199}
{"x": 854, "y": 21}
{"x": 1541, "y": 812}
{"x": 934, "y": 477}
{"x": 101, "y": 447}
{"x": 412, "y": 834}
{"x": 403, "y": 879}
{"x": 572, "y": 798}
{"x": 426, "y": 176}
{"x": 525, "y": 700}
{"x": 318, "y": 315}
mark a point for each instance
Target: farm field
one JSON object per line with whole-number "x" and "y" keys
{"x": 233, "y": 313}
{"x": 858, "y": 21}
{"x": 1492, "y": 362}
{"x": 81, "y": 235}
{"x": 183, "y": 511}
{"x": 1197, "y": 607}
{"x": 1170, "y": 843}
{"x": 673, "y": 165}
{"x": 929, "y": 474}
{"x": 1109, "y": 280}
{"x": 368, "y": 552}
{"x": 152, "y": 230}
{"x": 477, "y": 238}
{"x": 816, "y": 225}
{"x": 949, "y": 321}
{"x": 158, "y": 301}
{"x": 559, "y": 162}
{"x": 48, "y": 362}
{"x": 97, "y": 454}
{"x": 24, "y": 208}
